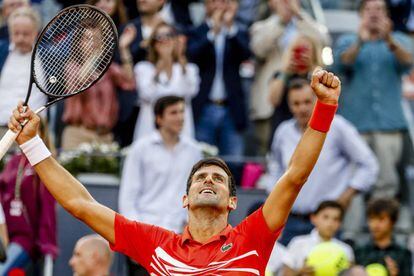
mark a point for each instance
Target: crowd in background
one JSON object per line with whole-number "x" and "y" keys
{"x": 234, "y": 75}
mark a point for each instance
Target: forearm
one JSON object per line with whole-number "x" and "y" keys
{"x": 127, "y": 63}
{"x": 277, "y": 207}
{"x": 74, "y": 197}
{"x": 285, "y": 192}
{"x": 67, "y": 191}
{"x": 349, "y": 56}
{"x": 276, "y": 88}
{"x": 305, "y": 156}
{"x": 3, "y": 235}
{"x": 402, "y": 55}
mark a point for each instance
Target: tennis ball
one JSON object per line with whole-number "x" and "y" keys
{"x": 376, "y": 270}
{"x": 327, "y": 259}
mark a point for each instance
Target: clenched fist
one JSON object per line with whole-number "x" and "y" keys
{"x": 326, "y": 86}
{"x": 29, "y": 118}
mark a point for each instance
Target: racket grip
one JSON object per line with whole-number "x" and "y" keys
{"x": 6, "y": 142}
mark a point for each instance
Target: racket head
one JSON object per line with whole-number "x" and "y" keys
{"x": 73, "y": 51}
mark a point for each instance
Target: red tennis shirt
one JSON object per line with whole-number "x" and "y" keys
{"x": 242, "y": 250}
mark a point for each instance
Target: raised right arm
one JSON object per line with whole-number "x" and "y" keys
{"x": 65, "y": 188}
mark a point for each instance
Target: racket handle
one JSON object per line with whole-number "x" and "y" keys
{"x": 6, "y": 142}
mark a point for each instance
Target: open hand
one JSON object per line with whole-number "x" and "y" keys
{"x": 392, "y": 266}
{"x": 127, "y": 36}
{"x": 326, "y": 86}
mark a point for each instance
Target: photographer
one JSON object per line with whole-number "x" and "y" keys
{"x": 301, "y": 58}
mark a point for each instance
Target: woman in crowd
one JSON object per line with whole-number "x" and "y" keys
{"x": 29, "y": 210}
{"x": 303, "y": 55}
{"x": 165, "y": 73}
{"x": 91, "y": 116}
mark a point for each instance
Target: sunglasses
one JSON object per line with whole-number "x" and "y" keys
{"x": 164, "y": 37}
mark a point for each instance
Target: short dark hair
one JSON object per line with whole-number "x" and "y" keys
{"x": 379, "y": 206}
{"x": 162, "y": 103}
{"x": 330, "y": 204}
{"x": 297, "y": 83}
{"x": 213, "y": 161}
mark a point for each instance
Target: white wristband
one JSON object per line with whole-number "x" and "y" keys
{"x": 35, "y": 150}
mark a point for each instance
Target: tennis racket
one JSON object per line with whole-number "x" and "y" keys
{"x": 71, "y": 53}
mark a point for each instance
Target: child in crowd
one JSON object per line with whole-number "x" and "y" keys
{"x": 382, "y": 248}
{"x": 327, "y": 220}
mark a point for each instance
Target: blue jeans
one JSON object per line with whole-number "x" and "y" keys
{"x": 216, "y": 127}
{"x": 16, "y": 258}
{"x": 295, "y": 227}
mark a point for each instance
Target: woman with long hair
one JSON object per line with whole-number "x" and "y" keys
{"x": 166, "y": 72}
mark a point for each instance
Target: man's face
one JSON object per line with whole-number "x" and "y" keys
{"x": 23, "y": 34}
{"x": 81, "y": 261}
{"x": 210, "y": 188}
{"x": 149, "y": 6}
{"x": 327, "y": 221}
{"x": 10, "y": 6}
{"x": 301, "y": 102}
{"x": 372, "y": 13}
{"x": 380, "y": 226}
{"x": 172, "y": 119}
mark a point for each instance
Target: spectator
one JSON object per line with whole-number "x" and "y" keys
{"x": 157, "y": 167}
{"x": 30, "y": 212}
{"x": 346, "y": 165}
{"x": 90, "y": 116}
{"x": 148, "y": 18}
{"x": 91, "y": 257}
{"x": 382, "y": 248}
{"x": 327, "y": 220}
{"x": 24, "y": 24}
{"x": 298, "y": 62}
{"x": 7, "y": 8}
{"x": 374, "y": 61}
{"x": 270, "y": 38}
{"x": 218, "y": 47}
{"x": 166, "y": 72}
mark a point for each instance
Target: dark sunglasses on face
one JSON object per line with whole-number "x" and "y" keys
{"x": 164, "y": 37}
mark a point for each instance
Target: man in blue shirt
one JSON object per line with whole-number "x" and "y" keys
{"x": 373, "y": 60}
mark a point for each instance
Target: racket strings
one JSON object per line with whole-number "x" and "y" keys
{"x": 73, "y": 52}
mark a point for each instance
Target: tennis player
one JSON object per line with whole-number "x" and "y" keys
{"x": 208, "y": 245}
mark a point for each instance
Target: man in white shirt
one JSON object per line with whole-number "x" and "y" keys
{"x": 327, "y": 220}
{"x": 24, "y": 24}
{"x": 156, "y": 169}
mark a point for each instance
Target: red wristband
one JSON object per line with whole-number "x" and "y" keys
{"x": 322, "y": 116}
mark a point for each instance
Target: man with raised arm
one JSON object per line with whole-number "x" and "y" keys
{"x": 209, "y": 245}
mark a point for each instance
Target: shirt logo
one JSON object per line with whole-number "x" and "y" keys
{"x": 226, "y": 247}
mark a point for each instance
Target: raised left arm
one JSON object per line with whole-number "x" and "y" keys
{"x": 277, "y": 207}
